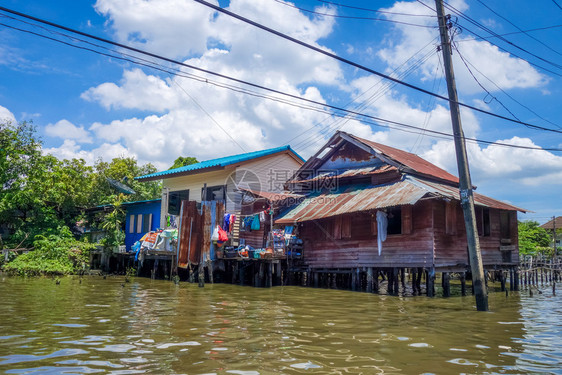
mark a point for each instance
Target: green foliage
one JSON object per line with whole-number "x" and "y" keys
{"x": 59, "y": 254}
{"x": 112, "y": 224}
{"x": 39, "y": 193}
{"x": 182, "y": 161}
{"x": 124, "y": 170}
{"x": 533, "y": 239}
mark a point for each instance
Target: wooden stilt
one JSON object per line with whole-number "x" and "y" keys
{"x": 210, "y": 269}
{"x": 201, "y": 274}
{"x": 463, "y": 283}
{"x": 316, "y": 277}
{"x": 241, "y": 273}
{"x": 418, "y": 279}
{"x": 269, "y": 275}
{"x": 430, "y": 280}
{"x": 334, "y": 281}
{"x": 395, "y": 280}
{"x": 370, "y": 280}
{"x": 376, "y": 280}
{"x": 502, "y": 276}
{"x": 445, "y": 280}
{"x": 354, "y": 280}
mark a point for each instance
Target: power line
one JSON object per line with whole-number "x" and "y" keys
{"x": 376, "y": 10}
{"x": 488, "y": 30}
{"x": 494, "y": 35}
{"x": 373, "y": 120}
{"x": 349, "y": 62}
{"x": 517, "y": 27}
{"x": 502, "y": 90}
{"x": 511, "y": 33}
{"x": 351, "y": 17}
{"x": 558, "y": 5}
{"x": 479, "y": 84}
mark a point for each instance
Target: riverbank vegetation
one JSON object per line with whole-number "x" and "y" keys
{"x": 43, "y": 199}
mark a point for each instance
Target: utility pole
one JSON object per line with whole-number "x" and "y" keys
{"x": 465, "y": 184}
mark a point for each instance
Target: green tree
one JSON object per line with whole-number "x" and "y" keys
{"x": 182, "y": 161}
{"x": 533, "y": 239}
{"x": 124, "y": 170}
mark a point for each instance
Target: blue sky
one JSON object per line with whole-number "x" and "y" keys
{"x": 88, "y": 105}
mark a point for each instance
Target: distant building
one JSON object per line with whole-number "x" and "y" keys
{"x": 554, "y": 224}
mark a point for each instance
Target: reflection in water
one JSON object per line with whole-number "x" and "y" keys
{"x": 147, "y": 326}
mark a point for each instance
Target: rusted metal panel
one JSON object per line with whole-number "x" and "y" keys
{"x": 453, "y": 193}
{"x": 190, "y": 235}
{"x": 354, "y": 199}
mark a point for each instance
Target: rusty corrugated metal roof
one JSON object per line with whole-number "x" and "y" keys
{"x": 410, "y": 160}
{"x": 351, "y": 172}
{"x": 357, "y": 198}
{"x": 479, "y": 199}
{"x": 272, "y": 196}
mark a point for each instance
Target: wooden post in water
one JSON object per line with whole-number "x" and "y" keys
{"x": 430, "y": 280}
{"x": 369, "y": 279}
{"x": 502, "y": 280}
{"x": 269, "y": 274}
{"x": 395, "y": 280}
{"x": 463, "y": 283}
{"x": 516, "y": 278}
{"x": 376, "y": 280}
{"x": 201, "y": 274}
{"x": 445, "y": 282}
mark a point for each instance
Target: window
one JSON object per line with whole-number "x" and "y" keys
{"x": 505, "y": 223}
{"x": 139, "y": 223}
{"x": 146, "y": 223}
{"x": 213, "y": 193}
{"x": 451, "y": 218}
{"x": 174, "y": 201}
{"x": 482, "y": 220}
{"x": 132, "y": 224}
{"x": 394, "y": 221}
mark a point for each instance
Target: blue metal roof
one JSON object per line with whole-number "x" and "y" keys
{"x": 220, "y": 162}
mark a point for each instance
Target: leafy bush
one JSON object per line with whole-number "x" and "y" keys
{"x": 59, "y": 254}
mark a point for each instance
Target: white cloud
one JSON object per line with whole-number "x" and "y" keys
{"x": 70, "y": 150}
{"x": 500, "y": 67}
{"x": 6, "y": 115}
{"x": 66, "y": 130}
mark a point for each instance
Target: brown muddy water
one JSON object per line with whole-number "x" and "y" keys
{"x": 154, "y": 326}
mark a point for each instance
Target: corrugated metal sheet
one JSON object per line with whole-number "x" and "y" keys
{"x": 354, "y": 198}
{"x": 357, "y": 198}
{"x": 272, "y": 196}
{"x": 453, "y": 193}
{"x": 220, "y": 162}
{"x": 408, "y": 159}
{"x": 352, "y": 172}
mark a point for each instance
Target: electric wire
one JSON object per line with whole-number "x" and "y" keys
{"x": 480, "y": 84}
{"x": 352, "y": 17}
{"x": 491, "y": 32}
{"x": 466, "y": 61}
{"x": 511, "y": 33}
{"x": 376, "y": 10}
{"x": 518, "y": 28}
{"x": 373, "y": 120}
{"x": 361, "y": 67}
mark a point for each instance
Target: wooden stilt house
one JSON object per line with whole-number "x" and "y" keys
{"x": 350, "y": 180}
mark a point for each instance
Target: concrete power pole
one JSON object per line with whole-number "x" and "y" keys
{"x": 467, "y": 199}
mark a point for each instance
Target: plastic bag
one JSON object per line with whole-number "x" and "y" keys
{"x": 215, "y": 236}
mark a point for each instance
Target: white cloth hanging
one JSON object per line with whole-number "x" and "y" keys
{"x": 382, "y": 225}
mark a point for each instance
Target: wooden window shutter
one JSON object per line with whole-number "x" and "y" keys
{"x": 337, "y": 228}
{"x": 406, "y": 219}
{"x": 346, "y": 226}
{"x": 450, "y": 218}
{"x": 374, "y": 226}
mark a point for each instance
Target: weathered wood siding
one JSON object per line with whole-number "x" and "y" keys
{"x": 437, "y": 237}
{"x": 451, "y": 248}
{"x": 328, "y": 243}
